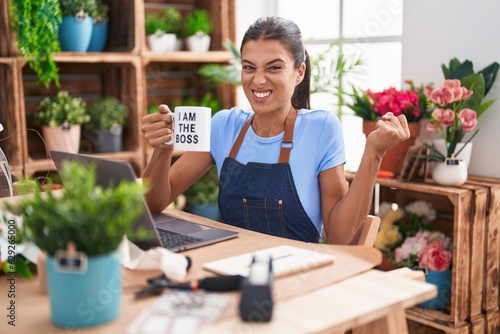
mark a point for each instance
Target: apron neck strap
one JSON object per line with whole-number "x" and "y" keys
{"x": 286, "y": 144}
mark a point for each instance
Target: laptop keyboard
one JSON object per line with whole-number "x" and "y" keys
{"x": 171, "y": 239}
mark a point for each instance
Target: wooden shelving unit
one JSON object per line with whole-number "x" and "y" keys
{"x": 470, "y": 214}
{"x": 126, "y": 70}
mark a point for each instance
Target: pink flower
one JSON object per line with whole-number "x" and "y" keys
{"x": 455, "y": 87}
{"x": 411, "y": 246}
{"x": 442, "y": 96}
{"x": 468, "y": 118}
{"x": 435, "y": 257}
{"x": 443, "y": 117}
{"x": 467, "y": 93}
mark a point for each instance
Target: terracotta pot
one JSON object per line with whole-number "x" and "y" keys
{"x": 393, "y": 158}
{"x": 62, "y": 139}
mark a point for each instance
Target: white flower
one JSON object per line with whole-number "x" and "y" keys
{"x": 423, "y": 209}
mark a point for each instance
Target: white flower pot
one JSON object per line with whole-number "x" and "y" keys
{"x": 198, "y": 43}
{"x": 464, "y": 155}
{"x": 162, "y": 42}
{"x": 448, "y": 174}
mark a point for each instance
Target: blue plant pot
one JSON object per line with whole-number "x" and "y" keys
{"x": 442, "y": 280}
{"x": 99, "y": 36}
{"x": 75, "y": 35}
{"x": 210, "y": 211}
{"x": 85, "y": 299}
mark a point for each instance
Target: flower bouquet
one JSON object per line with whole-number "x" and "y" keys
{"x": 370, "y": 105}
{"x": 410, "y": 102}
{"x": 457, "y": 104}
{"x": 406, "y": 237}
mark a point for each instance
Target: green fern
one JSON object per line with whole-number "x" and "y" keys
{"x": 36, "y": 25}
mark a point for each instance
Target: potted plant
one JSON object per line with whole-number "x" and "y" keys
{"x": 198, "y": 27}
{"x": 75, "y": 31}
{"x": 411, "y": 102}
{"x": 156, "y": 33}
{"x": 61, "y": 118}
{"x": 100, "y": 22}
{"x": 107, "y": 118}
{"x": 38, "y": 36}
{"x": 202, "y": 197}
{"x": 80, "y": 230}
{"x": 173, "y": 21}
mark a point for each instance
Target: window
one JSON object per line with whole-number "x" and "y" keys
{"x": 371, "y": 28}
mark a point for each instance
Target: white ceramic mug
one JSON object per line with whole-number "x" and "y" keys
{"x": 191, "y": 128}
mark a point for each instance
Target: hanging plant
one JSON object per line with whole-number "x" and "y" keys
{"x": 36, "y": 25}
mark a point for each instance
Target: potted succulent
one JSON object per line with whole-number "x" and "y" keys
{"x": 80, "y": 230}
{"x": 61, "y": 118}
{"x": 75, "y": 31}
{"x": 156, "y": 33}
{"x": 173, "y": 21}
{"x": 37, "y": 36}
{"x": 198, "y": 27}
{"x": 107, "y": 118}
{"x": 100, "y": 22}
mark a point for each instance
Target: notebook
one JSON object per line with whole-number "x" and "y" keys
{"x": 173, "y": 233}
{"x": 286, "y": 260}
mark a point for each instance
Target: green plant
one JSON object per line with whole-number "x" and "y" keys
{"x": 73, "y": 7}
{"x": 217, "y": 74}
{"x": 333, "y": 71}
{"x": 107, "y": 113}
{"x": 205, "y": 190}
{"x": 94, "y": 218}
{"x": 207, "y": 100}
{"x": 173, "y": 21}
{"x": 36, "y": 25}
{"x": 155, "y": 24}
{"x": 100, "y": 14}
{"x": 61, "y": 109}
{"x": 152, "y": 108}
{"x": 198, "y": 22}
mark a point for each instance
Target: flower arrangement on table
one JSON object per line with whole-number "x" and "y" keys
{"x": 457, "y": 103}
{"x": 370, "y": 105}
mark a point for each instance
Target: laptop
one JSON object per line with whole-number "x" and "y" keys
{"x": 149, "y": 230}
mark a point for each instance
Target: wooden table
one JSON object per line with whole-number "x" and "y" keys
{"x": 347, "y": 294}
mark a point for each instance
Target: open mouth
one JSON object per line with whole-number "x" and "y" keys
{"x": 262, "y": 95}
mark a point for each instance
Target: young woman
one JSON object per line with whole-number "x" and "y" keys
{"x": 281, "y": 165}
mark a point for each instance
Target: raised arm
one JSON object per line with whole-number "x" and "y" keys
{"x": 344, "y": 209}
{"x": 165, "y": 180}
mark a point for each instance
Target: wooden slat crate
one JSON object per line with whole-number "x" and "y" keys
{"x": 491, "y": 292}
{"x": 455, "y": 205}
{"x": 476, "y": 290}
{"x": 91, "y": 82}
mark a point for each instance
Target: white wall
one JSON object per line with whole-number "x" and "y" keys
{"x": 434, "y": 31}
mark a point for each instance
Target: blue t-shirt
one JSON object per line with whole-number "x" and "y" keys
{"x": 318, "y": 145}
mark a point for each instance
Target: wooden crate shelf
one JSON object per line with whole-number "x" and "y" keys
{"x": 126, "y": 69}
{"x": 91, "y": 81}
{"x": 471, "y": 215}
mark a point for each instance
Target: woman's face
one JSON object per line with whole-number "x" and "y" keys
{"x": 269, "y": 76}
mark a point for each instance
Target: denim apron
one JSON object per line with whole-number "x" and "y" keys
{"x": 262, "y": 197}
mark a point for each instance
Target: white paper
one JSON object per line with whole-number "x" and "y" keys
{"x": 172, "y": 264}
